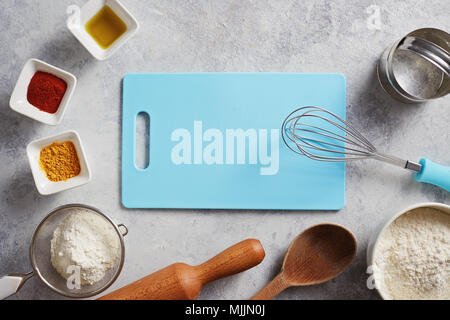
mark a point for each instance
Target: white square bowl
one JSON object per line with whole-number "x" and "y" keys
{"x": 88, "y": 10}
{"x": 19, "y": 103}
{"x": 43, "y": 184}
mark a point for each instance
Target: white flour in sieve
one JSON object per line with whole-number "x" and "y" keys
{"x": 416, "y": 75}
{"x": 86, "y": 240}
{"x": 412, "y": 257}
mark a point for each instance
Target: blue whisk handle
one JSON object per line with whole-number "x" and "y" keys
{"x": 434, "y": 173}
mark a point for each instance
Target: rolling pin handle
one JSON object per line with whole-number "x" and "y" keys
{"x": 237, "y": 258}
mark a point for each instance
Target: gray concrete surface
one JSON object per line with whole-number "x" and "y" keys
{"x": 200, "y": 36}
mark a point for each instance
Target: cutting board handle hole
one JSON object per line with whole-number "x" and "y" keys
{"x": 142, "y": 142}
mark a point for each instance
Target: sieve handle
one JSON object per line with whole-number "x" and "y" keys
{"x": 11, "y": 283}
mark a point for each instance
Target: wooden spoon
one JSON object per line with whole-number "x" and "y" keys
{"x": 318, "y": 254}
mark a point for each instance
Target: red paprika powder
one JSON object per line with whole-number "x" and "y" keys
{"x": 46, "y": 91}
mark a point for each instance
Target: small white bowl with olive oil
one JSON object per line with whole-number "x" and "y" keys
{"x": 101, "y": 26}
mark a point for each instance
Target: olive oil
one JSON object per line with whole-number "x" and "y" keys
{"x": 105, "y": 27}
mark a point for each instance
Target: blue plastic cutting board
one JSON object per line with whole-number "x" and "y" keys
{"x": 201, "y": 167}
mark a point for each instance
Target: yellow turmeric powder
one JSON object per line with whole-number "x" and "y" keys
{"x": 60, "y": 161}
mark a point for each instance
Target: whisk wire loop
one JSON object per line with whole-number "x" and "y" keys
{"x": 322, "y": 135}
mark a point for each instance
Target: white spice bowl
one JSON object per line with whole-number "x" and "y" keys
{"x": 43, "y": 184}
{"x": 378, "y": 235}
{"x": 19, "y": 103}
{"x": 80, "y": 16}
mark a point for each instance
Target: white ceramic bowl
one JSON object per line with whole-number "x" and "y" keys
{"x": 89, "y": 9}
{"x": 43, "y": 184}
{"x": 373, "y": 243}
{"x": 19, "y": 103}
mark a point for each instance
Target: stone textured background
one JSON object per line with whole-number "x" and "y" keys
{"x": 199, "y": 36}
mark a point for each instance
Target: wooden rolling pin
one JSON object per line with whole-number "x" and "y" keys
{"x": 180, "y": 281}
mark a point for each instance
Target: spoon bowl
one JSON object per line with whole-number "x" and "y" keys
{"x": 318, "y": 254}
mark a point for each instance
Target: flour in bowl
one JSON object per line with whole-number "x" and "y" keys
{"x": 412, "y": 257}
{"x": 84, "y": 239}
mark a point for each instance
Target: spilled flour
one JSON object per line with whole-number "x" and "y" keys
{"x": 87, "y": 240}
{"x": 412, "y": 258}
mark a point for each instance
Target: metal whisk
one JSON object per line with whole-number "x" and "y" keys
{"x": 322, "y": 135}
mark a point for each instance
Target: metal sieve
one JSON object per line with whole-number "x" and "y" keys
{"x": 42, "y": 267}
{"x": 417, "y": 67}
